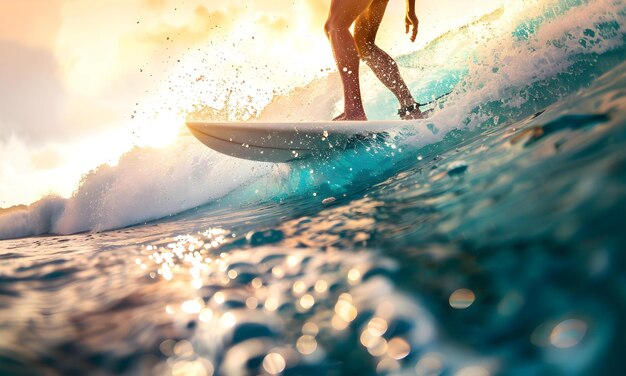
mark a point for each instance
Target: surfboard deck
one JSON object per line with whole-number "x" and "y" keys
{"x": 287, "y": 141}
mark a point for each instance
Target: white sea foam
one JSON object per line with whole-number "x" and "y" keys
{"x": 146, "y": 184}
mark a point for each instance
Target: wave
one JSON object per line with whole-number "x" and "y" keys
{"x": 502, "y": 68}
{"x": 146, "y": 184}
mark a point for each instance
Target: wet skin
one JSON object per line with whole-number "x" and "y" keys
{"x": 348, "y": 49}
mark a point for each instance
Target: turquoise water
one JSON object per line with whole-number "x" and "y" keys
{"x": 487, "y": 241}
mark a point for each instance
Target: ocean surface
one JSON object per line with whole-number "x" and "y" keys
{"x": 487, "y": 240}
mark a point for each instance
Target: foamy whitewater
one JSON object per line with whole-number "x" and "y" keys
{"x": 485, "y": 240}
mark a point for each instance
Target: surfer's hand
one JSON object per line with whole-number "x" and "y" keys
{"x": 411, "y": 20}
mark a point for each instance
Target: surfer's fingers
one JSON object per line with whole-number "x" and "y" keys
{"x": 411, "y": 21}
{"x": 415, "y": 23}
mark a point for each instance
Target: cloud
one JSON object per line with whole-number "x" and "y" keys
{"x": 155, "y": 4}
{"x": 35, "y": 104}
{"x": 46, "y": 160}
{"x": 148, "y": 36}
{"x": 31, "y": 92}
{"x": 273, "y": 23}
{"x": 317, "y": 10}
{"x": 33, "y": 23}
{"x": 197, "y": 27}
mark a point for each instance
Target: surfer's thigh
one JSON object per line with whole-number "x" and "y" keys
{"x": 344, "y": 12}
{"x": 367, "y": 23}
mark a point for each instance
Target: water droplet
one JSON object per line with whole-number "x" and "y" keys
{"x": 429, "y": 365}
{"x": 183, "y": 348}
{"x": 398, "y": 348}
{"x": 306, "y": 344}
{"x": 310, "y": 328}
{"x": 274, "y": 363}
{"x": 346, "y": 311}
{"x": 462, "y": 298}
{"x": 167, "y": 347}
{"x": 192, "y": 306}
{"x": 219, "y": 297}
{"x": 473, "y": 371}
{"x": 228, "y": 320}
{"x": 257, "y": 283}
{"x": 205, "y": 315}
{"x": 353, "y": 276}
{"x": 252, "y": 302}
{"x": 338, "y": 323}
{"x": 271, "y": 304}
{"x": 321, "y": 286}
{"x": 307, "y": 301}
{"x": 377, "y": 347}
{"x": 387, "y": 365}
{"x": 192, "y": 368}
{"x": 298, "y": 287}
{"x": 378, "y": 326}
{"x": 293, "y": 261}
{"x": 278, "y": 272}
{"x": 568, "y": 333}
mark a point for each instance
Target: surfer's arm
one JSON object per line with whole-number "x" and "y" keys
{"x": 411, "y": 19}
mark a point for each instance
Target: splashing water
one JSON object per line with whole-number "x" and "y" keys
{"x": 487, "y": 241}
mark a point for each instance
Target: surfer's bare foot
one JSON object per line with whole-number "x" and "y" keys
{"x": 340, "y": 117}
{"x": 357, "y": 118}
{"x": 344, "y": 117}
{"x": 412, "y": 111}
{"x": 415, "y": 115}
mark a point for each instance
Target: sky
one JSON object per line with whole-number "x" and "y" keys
{"x": 83, "y": 81}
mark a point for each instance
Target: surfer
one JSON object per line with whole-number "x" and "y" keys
{"x": 348, "y": 49}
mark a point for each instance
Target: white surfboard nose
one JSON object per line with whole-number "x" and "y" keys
{"x": 246, "y": 151}
{"x": 281, "y": 141}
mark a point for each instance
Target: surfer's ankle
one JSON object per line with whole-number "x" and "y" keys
{"x": 410, "y": 112}
{"x": 404, "y": 103}
{"x": 355, "y": 117}
{"x": 414, "y": 115}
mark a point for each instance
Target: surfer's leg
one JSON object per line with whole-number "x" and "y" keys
{"x": 340, "y": 17}
{"x": 383, "y": 65}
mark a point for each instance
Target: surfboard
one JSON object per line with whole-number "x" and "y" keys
{"x": 288, "y": 141}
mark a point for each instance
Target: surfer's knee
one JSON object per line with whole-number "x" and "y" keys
{"x": 334, "y": 24}
{"x": 364, "y": 45}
